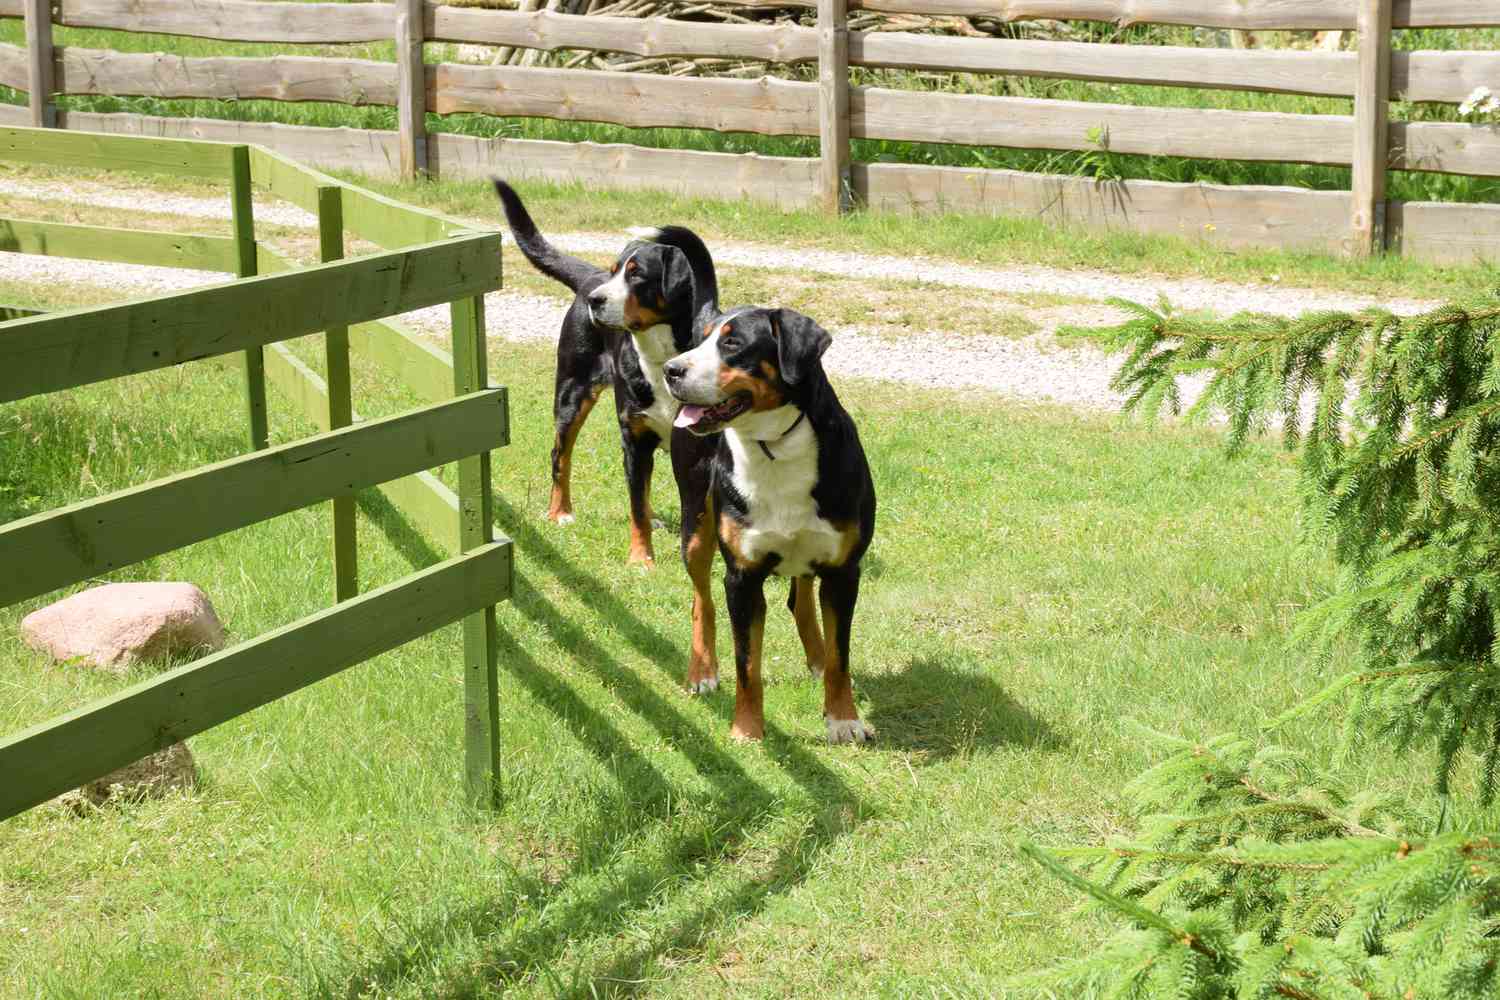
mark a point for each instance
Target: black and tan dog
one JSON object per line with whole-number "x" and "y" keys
{"x": 622, "y": 326}
{"x": 787, "y": 491}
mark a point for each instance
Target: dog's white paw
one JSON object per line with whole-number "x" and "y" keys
{"x": 562, "y": 519}
{"x": 704, "y": 686}
{"x": 849, "y": 731}
{"x": 815, "y": 671}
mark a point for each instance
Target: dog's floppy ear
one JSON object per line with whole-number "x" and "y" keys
{"x": 678, "y": 281}
{"x": 800, "y": 343}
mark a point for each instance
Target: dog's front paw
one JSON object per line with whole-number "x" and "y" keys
{"x": 849, "y": 731}
{"x": 559, "y": 517}
{"x": 703, "y": 685}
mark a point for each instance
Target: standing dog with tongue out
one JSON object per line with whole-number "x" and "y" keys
{"x": 787, "y": 491}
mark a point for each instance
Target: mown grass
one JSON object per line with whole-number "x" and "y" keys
{"x": 1093, "y": 162}
{"x": 1037, "y": 578}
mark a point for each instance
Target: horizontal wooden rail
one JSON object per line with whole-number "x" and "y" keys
{"x": 388, "y": 343}
{"x": 246, "y": 21}
{"x": 1415, "y": 76}
{"x": 383, "y": 221}
{"x": 132, "y": 246}
{"x": 229, "y": 20}
{"x": 63, "y": 350}
{"x": 86, "y": 744}
{"x": 768, "y": 106}
{"x": 73, "y": 543}
{"x": 421, "y": 496}
{"x": 8, "y": 313}
{"x": 108, "y": 152}
{"x": 1432, "y": 232}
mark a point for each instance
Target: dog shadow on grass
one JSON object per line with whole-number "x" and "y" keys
{"x": 939, "y": 707}
{"x": 516, "y": 950}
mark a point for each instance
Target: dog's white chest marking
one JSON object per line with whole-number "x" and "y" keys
{"x": 654, "y": 348}
{"x": 783, "y": 518}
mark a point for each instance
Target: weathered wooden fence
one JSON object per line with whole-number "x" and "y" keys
{"x": 427, "y": 260}
{"x": 1357, "y": 222}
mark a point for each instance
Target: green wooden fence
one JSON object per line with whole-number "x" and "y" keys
{"x": 427, "y": 259}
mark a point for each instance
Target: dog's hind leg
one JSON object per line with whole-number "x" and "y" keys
{"x": 800, "y": 602}
{"x": 573, "y": 401}
{"x": 837, "y": 595}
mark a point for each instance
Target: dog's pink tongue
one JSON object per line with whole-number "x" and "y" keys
{"x": 688, "y": 415}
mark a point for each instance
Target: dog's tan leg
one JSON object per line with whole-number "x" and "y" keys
{"x": 805, "y": 611}
{"x": 837, "y": 597}
{"x": 560, "y": 508}
{"x": 698, "y": 554}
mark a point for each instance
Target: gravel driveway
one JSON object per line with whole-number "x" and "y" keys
{"x": 1035, "y": 368}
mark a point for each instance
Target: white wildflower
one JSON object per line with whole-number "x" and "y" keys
{"x": 1480, "y": 99}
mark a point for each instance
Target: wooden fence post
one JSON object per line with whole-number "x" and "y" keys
{"x": 1371, "y": 129}
{"x": 411, "y": 89}
{"x": 39, "y": 68}
{"x": 834, "y": 190}
{"x": 243, "y": 213}
{"x": 476, "y": 528}
{"x": 340, "y": 396}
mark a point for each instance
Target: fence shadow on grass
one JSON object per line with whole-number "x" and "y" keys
{"x": 939, "y": 707}
{"x": 742, "y": 807}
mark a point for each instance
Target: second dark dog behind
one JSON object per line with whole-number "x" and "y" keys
{"x": 622, "y": 325}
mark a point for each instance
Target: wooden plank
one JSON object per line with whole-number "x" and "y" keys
{"x": 236, "y": 20}
{"x": 80, "y": 746}
{"x": 422, "y": 367}
{"x": 113, "y": 152}
{"x": 1031, "y": 123}
{"x": 833, "y": 106}
{"x": 8, "y": 313}
{"x": 1445, "y": 148}
{"x": 63, "y": 546}
{"x": 1449, "y": 77}
{"x": 242, "y": 212}
{"x": 340, "y": 395}
{"x": 239, "y": 20}
{"x": 1267, "y": 70}
{"x": 131, "y": 246}
{"x": 768, "y": 106}
{"x": 475, "y": 528}
{"x": 411, "y": 87}
{"x": 66, "y": 349}
{"x": 1444, "y": 232}
{"x": 40, "y": 82}
{"x": 1231, "y": 217}
{"x": 225, "y": 78}
{"x": 390, "y": 224}
{"x": 651, "y": 36}
{"x": 1371, "y": 129}
{"x": 1313, "y": 15}
{"x": 783, "y": 181}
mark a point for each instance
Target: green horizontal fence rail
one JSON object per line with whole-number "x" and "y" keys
{"x": 427, "y": 260}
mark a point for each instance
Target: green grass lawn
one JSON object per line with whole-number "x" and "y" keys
{"x": 1037, "y": 578}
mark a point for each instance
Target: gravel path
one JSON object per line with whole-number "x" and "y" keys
{"x": 1035, "y": 368}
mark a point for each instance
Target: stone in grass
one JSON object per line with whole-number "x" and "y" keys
{"x": 154, "y": 775}
{"x": 114, "y": 625}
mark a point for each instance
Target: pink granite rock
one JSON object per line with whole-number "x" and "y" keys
{"x": 114, "y": 625}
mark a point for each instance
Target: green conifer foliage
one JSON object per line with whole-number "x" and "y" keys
{"x": 1253, "y": 873}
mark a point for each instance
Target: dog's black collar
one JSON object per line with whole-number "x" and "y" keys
{"x": 800, "y": 415}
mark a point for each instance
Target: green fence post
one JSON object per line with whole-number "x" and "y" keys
{"x": 481, "y": 699}
{"x": 340, "y": 396}
{"x": 244, "y": 239}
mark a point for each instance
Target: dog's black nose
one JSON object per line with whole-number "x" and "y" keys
{"x": 674, "y": 370}
{"x": 596, "y": 297}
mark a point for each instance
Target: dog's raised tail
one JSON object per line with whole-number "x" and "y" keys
{"x": 543, "y": 255}
{"x": 700, "y": 262}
